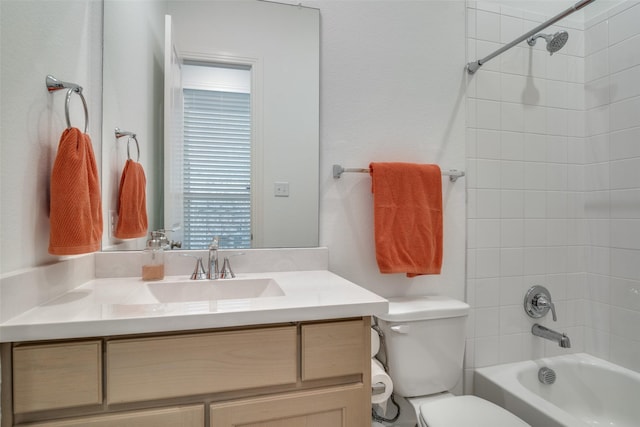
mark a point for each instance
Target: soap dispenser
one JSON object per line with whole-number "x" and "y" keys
{"x": 153, "y": 257}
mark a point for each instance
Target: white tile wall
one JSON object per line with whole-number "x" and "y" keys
{"x": 519, "y": 198}
{"x": 554, "y": 186}
{"x": 613, "y": 186}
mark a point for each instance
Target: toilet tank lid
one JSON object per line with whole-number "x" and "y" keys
{"x": 405, "y": 309}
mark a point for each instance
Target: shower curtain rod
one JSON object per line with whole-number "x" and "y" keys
{"x": 472, "y": 67}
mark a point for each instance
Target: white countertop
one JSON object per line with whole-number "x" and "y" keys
{"x": 118, "y": 306}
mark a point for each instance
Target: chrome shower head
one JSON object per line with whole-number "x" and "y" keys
{"x": 555, "y": 42}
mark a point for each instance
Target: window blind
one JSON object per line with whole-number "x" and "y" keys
{"x": 217, "y": 168}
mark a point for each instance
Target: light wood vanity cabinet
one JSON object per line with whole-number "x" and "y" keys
{"x": 294, "y": 375}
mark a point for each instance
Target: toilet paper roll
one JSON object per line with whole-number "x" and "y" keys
{"x": 375, "y": 343}
{"x": 378, "y": 375}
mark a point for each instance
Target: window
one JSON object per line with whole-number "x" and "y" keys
{"x": 217, "y": 161}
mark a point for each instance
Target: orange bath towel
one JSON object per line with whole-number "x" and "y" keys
{"x": 407, "y": 202}
{"x": 76, "y": 208}
{"x": 132, "y": 202}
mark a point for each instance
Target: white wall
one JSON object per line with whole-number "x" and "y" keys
{"x": 392, "y": 89}
{"x": 62, "y": 38}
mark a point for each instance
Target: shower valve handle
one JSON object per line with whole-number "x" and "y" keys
{"x": 537, "y": 303}
{"x": 541, "y": 301}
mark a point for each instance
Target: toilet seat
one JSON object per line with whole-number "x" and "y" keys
{"x": 466, "y": 411}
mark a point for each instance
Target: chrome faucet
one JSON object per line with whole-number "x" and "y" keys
{"x": 537, "y": 303}
{"x": 213, "y": 271}
{"x": 546, "y": 333}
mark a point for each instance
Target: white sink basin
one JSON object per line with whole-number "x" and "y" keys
{"x": 207, "y": 290}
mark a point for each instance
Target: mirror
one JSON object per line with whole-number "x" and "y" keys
{"x": 278, "y": 43}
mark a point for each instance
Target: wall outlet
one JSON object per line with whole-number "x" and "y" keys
{"x": 281, "y": 189}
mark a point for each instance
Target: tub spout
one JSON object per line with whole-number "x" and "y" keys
{"x": 546, "y": 333}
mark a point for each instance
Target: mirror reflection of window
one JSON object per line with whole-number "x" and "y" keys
{"x": 217, "y": 155}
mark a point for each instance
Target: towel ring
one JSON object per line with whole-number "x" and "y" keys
{"x": 54, "y": 84}
{"x": 137, "y": 147}
{"x": 120, "y": 133}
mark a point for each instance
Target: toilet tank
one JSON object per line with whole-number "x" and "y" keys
{"x": 425, "y": 339}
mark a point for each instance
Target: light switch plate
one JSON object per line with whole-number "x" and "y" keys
{"x": 281, "y": 189}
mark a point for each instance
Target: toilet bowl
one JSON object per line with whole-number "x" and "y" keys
{"x": 425, "y": 339}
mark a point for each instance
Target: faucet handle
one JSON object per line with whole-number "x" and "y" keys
{"x": 227, "y": 272}
{"x": 198, "y": 271}
{"x": 537, "y": 302}
{"x": 542, "y": 302}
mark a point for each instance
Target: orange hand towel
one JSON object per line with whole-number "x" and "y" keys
{"x": 407, "y": 202}
{"x": 76, "y": 208}
{"x": 132, "y": 202}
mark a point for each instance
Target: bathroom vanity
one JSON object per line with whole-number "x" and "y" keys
{"x": 269, "y": 376}
{"x": 111, "y": 352}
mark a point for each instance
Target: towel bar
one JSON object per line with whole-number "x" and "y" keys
{"x": 54, "y": 84}
{"x": 338, "y": 170}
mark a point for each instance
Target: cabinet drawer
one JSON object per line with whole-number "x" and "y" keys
{"x": 54, "y": 376}
{"x": 333, "y": 349}
{"x": 188, "y": 416}
{"x": 173, "y": 366}
{"x": 330, "y": 407}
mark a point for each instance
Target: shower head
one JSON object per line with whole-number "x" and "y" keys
{"x": 555, "y": 42}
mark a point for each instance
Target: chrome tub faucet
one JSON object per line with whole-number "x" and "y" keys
{"x": 546, "y": 333}
{"x": 537, "y": 303}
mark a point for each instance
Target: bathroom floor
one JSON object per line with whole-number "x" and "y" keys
{"x": 407, "y": 415}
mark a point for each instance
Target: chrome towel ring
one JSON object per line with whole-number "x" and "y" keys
{"x": 54, "y": 84}
{"x": 130, "y": 135}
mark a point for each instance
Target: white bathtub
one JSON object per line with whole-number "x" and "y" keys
{"x": 587, "y": 392}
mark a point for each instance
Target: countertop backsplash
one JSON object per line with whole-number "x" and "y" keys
{"x": 129, "y": 264}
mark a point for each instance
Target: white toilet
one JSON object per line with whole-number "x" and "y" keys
{"x": 425, "y": 338}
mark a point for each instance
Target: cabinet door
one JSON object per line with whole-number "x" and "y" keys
{"x": 54, "y": 376}
{"x": 175, "y": 366}
{"x": 334, "y": 349}
{"x": 329, "y": 407}
{"x": 187, "y": 416}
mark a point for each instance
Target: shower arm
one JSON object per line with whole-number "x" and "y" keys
{"x": 472, "y": 67}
